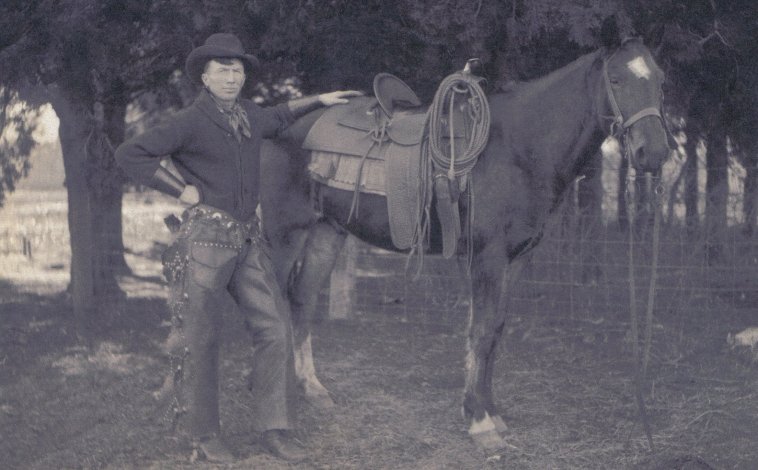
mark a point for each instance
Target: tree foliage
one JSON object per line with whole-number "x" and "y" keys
{"x": 104, "y": 56}
{"x": 18, "y": 123}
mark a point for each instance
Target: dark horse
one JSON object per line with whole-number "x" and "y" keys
{"x": 542, "y": 133}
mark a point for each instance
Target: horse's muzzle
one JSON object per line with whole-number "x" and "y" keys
{"x": 649, "y": 145}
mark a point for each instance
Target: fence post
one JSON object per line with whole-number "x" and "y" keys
{"x": 342, "y": 282}
{"x": 27, "y": 246}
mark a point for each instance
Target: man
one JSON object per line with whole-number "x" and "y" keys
{"x": 214, "y": 145}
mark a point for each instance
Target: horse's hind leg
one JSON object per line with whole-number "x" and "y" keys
{"x": 319, "y": 256}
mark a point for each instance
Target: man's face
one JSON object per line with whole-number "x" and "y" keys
{"x": 224, "y": 79}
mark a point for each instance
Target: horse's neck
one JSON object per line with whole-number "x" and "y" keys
{"x": 568, "y": 95}
{"x": 572, "y": 112}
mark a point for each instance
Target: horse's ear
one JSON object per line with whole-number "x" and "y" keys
{"x": 609, "y": 33}
{"x": 654, "y": 35}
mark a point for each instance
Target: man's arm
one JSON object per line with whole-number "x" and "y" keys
{"x": 140, "y": 157}
{"x": 167, "y": 179}
{"x": 301, "y": 106}
{"x": 280, "y": 117}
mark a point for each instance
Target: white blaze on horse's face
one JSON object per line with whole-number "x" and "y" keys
{"x": 639, "y": 67}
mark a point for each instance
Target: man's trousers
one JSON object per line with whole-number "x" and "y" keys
{"x": 214, "y": 256}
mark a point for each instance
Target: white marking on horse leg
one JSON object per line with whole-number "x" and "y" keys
{"x": 304, "y": 367}
{"x": 486, "y": 424}
{"x": 470, "y": 358}
{"x": 485, "y": 434}
{"x": 639, "y": 67}
{"x": 299, "y": 360}
{"x": 305, "y": 370}
{"x": 470, "y": 366}
{"x": 471, "y": 372}
{"x": 500, "y": 425}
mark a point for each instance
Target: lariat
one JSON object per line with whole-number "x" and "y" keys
{"x": 459, "y": 92}
{"x": 461, "y": 85}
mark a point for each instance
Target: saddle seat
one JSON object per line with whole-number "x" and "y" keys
{"x": 404, "y": 126}
{"x": 391, "y": 92}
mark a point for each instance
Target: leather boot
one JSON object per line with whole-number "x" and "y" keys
{"x": 215, "y": 451}
{"x": 280, "y": 444}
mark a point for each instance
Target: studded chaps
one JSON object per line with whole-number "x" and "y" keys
{"x": 213, "y": 256}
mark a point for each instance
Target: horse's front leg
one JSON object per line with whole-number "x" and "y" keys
{"x": 490, "y": 289}
{"x": 319, "y": 256}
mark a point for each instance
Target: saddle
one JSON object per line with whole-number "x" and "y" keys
{"x": 374, "y": 145}
{"x": 361, "y": 148}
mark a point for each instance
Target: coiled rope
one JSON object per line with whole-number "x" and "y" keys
{"x": 458, "y": 85}
{"x": 440, "y": 155}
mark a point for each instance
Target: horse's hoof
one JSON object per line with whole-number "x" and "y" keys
{"x": 489, "y": 440}
{"x": 487, "y": 432}
{"x": 321, "y": 401}
{"x": 500, "y": 425}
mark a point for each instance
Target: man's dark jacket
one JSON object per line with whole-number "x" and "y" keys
{"x": 204, "y": 149}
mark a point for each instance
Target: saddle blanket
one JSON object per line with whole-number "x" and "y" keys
{"x": 340, "y": 171}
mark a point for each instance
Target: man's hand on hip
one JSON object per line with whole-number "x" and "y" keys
{"x": 190, "y": 195}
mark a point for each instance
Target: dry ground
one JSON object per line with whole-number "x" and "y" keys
{"x": 563, "y": 383}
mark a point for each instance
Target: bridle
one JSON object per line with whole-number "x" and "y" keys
{"x": 619, "y": 125}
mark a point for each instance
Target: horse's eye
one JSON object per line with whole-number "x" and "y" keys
{"x": 615, "y": 81}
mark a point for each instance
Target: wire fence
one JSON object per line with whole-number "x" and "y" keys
{"x": 578, "y": 269}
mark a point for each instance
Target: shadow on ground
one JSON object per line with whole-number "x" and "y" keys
{"x": 564, "y": 386}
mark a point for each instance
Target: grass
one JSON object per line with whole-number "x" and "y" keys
{"x": 563, "y": 379}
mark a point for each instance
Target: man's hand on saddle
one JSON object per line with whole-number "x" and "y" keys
{"x": 338, "y": 97}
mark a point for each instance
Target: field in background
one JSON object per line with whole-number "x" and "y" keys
{"x": 395, "y": 366}
{"x": 34, "y": 239}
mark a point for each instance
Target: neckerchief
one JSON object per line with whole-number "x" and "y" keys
{"x": 237, "y": 118}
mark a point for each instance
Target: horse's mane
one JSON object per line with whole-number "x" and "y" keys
{"x": 559, "y": 74}
{"x": 538, "y": 84}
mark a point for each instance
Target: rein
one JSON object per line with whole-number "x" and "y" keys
{"x": 642, "y": 358}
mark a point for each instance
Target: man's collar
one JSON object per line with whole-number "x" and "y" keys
{"x": 220, "y": 105}
{"x": 209, "y": 106}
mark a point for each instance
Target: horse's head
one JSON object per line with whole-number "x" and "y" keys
{"x": 633, "y": 84}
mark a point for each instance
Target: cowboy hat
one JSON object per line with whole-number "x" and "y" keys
{"x": 219, "y": 45}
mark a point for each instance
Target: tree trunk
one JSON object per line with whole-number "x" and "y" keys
{"x": 750, "y": 196}
{"x": 645, "y": 203}
{"x": 623, "y": 212}
{"x": 633, "y": 212}
{"x": 691, "y": 215}
{"x": 717, "y": 193}
{"x": 106, "y": 180}
{"x": 94, "y": 215}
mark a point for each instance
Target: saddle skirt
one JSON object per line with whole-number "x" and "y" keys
{"x": 357, "y": 147}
